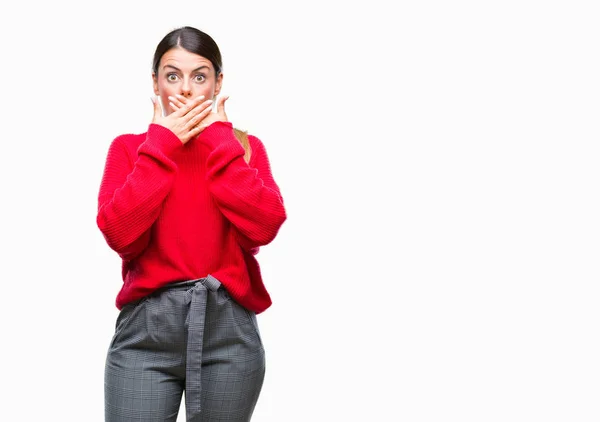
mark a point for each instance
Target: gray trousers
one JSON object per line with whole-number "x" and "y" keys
{"x": 193, "y": 337}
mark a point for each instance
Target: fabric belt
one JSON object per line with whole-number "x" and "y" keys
{"x": 196, "y": 322}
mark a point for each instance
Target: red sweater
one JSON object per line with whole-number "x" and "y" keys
{"x": 177, "y": 212}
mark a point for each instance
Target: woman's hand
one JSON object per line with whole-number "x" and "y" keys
{"x": 185, "y": 121}
{"x": 179, "y": 102}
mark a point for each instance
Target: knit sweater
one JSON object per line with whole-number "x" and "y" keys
{"x": 175, "y": 211}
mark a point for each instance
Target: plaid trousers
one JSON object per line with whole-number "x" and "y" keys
{"x": 189, "y": 336}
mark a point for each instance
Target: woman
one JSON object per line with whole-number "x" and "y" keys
{"x": 186, "y": 206}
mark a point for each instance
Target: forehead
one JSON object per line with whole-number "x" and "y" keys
{"x": 184, "y": 60}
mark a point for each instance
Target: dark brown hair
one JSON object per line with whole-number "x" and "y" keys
{"x": 202, "y": 44}
{"x": 192, "y": 40}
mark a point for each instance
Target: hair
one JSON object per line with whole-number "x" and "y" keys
{"x": 202, "y": 44}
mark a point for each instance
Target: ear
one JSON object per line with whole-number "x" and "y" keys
{"x": 155, "y": 83}
{"x": 219, "y": 84}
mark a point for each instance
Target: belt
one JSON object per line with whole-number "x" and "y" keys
{"x": 197, "y": 316}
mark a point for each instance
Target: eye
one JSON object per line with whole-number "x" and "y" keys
{"x": 199, "y": 78}
{"x": 172, "y": 77}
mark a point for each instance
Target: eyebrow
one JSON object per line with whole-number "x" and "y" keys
{"x": 179, "y": 70}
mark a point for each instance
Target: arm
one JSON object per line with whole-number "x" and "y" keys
{"x": 245, "y": 193}
{"x": 133, "y": 189}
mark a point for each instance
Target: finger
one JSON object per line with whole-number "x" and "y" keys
{"x": 221, "y": 104}
{"x": 157, "y": 108}
{"x": 194, "y": 120}
{"x": 199, "y": 111}
{"x": 176, "y": 102}
{"x": 195, "y": 131}
{"x": 221, "y": 108}
{"x": 184, "y": 100}
{"x": 190, "y": 105}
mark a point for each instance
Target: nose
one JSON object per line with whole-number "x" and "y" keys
{"x": 186, "y": 90}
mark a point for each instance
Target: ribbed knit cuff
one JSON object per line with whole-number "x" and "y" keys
{"x": 160, "y": 141}
{"x": 221, "y": 134}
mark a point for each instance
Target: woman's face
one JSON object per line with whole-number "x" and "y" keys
{"x": 187, "y": 74}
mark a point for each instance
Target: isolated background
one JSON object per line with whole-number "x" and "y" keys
{"x": 439, "y": 162}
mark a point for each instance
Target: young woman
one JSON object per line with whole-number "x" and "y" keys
{"x": 186, "y": 206}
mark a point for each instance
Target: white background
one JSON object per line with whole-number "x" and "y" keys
{"x": 439, "y": 163}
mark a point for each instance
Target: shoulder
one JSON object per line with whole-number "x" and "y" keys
{"x": 253, "y": 140}
{"x": 130, "y": 139}
{"x": 125, "y": 146}
{"x": 129, "y": 142}
{"x": 259, "y": 156}
{"x": 245, "y": 137}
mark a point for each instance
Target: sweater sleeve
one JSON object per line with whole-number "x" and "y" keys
{"x": 246, "y": 193}
{"x": 133, "y": 189}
